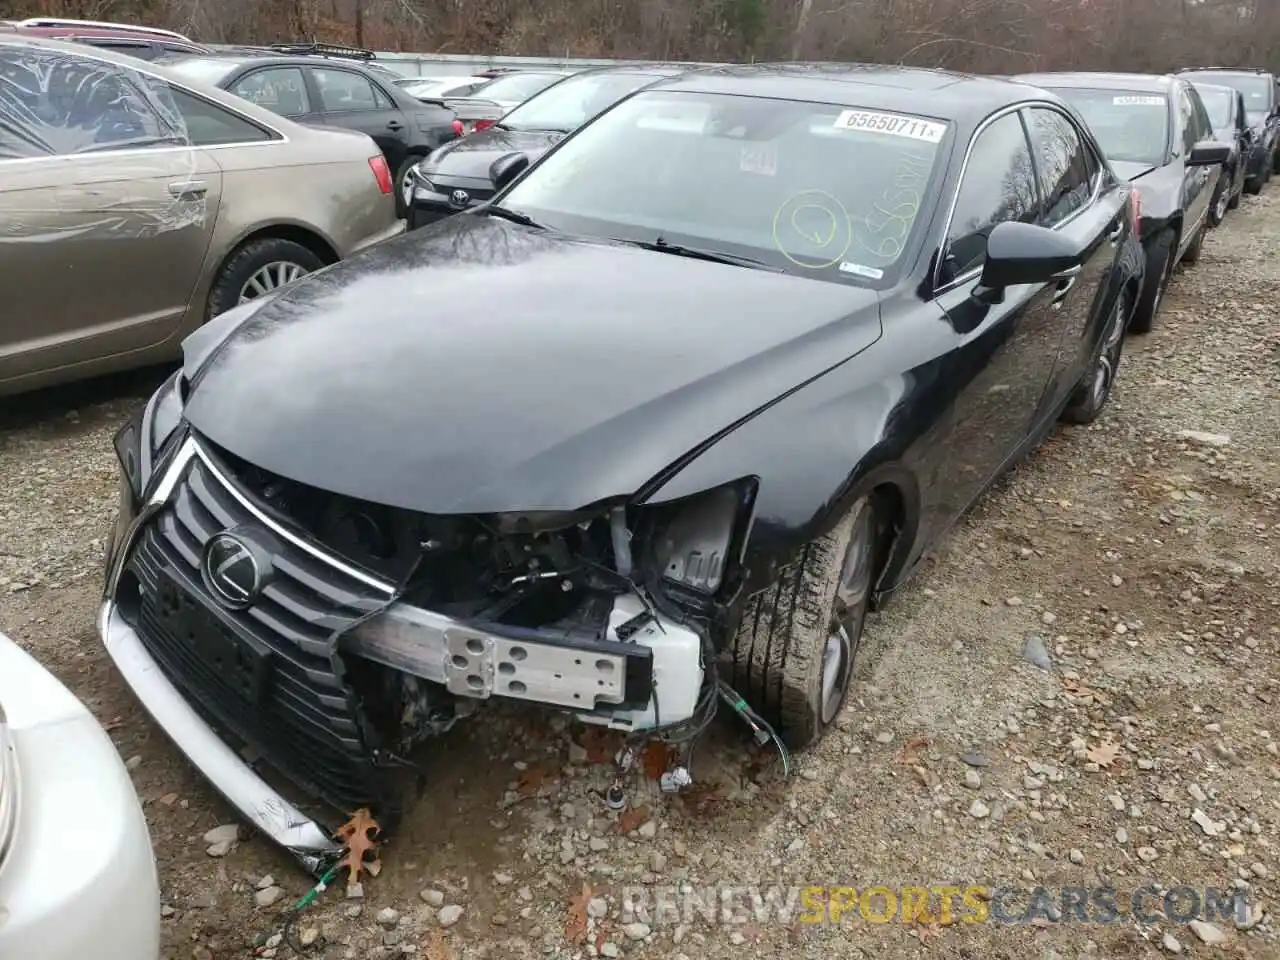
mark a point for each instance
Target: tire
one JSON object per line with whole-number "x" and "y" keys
{"x": 1192, "y": 254}
{"x": 1095, "y": 389}
{"x": 402, "y": 202}
{"x": 1234, "y": 202}
{"x": 787, "y": 644}
{"x": 266, "y": 254}
{"x": 1220, "y": 204}
{"x": 1159, "y": 266}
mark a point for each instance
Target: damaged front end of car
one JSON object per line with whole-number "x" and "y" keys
{"x": 262, "y": 619}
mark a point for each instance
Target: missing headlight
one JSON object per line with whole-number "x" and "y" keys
{"x": 693, "y": 542}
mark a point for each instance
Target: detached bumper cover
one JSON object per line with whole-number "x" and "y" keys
{"x": 257, "y": 801}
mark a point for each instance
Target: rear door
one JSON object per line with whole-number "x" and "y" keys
{"x": 1004, "y": 354}
{"x": 107, "y": 260}
{"x": 1084, "y": 203}
{"x": 347, "y": 98}
{"x": 281, "y": 90}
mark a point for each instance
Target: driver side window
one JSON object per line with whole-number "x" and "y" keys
{"x": 1186, "y": 122}
{"x": 999, "y": 185}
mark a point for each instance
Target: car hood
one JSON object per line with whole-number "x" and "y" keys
{"x": 481, "y": 367}
{"x": 1131, "y": 169}
{"x": 471, "y": 156}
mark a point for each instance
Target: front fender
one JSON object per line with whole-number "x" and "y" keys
{"x": 814, "y": 454}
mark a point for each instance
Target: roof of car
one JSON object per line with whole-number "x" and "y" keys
{"x": 242, "y": 58}
{"x": 1250, "y": 71}
{"x": 1152, "y": 82}
{"x": 939, "y": 93}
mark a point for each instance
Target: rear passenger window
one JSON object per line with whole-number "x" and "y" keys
{"x": 999, "y": 185}
{"x": 344, "y": 91}
{"x": 1066, "y": 168}
{"x": 279, "y": 89}
{"x": 210, "y": 126}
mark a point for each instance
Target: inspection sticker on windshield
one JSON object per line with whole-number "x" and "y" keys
{"x": 759, "y": 158}
{"x": 893, "y": 124}
{"x": 1132, "y": 100}
{"x": 861, "y": 270}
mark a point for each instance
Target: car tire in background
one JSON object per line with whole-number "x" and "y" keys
{"x": 795, "y": 653}
{"x": 1234, "y": 202}
{"x": 1221, "y": 202}
{"x": 1095, "y": 388}
{"x": 1159, "y": 266}
{"x": 402, "y": 175}
{"x": 259, "y": 267}
{"x": 1191, "y": 256}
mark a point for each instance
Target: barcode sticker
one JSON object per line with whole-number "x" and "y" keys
{"x": 892, "y": 124}
{"x": 1133, "y": 100}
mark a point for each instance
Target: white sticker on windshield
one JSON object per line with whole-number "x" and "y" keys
{"x": 1132, "y": 100}
{"x": 759, "y": 158}
{"x": 861, "y": 270}
{"x": 893, "y": 124}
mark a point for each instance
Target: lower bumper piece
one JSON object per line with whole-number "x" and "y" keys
{"x": 258, "y": 802}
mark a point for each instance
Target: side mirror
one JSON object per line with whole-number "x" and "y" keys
{"x": 1209, "y": 153}
{"x": 1024, "y": 253}
{"x": 506, "y": 168}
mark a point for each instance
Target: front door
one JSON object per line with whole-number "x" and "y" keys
{"x": 1076, "y": 204}
{"x": 1002, "y": 354}
{"x": 1197, "y": 182}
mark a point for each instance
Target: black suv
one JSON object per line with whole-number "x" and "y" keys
{"x": 1262, "y": 113}
{"x": 315, "y": 84}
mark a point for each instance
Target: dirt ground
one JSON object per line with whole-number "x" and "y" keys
{"x": 1131, "y": 744}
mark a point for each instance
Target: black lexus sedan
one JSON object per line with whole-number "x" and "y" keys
{"x": 1157, "y": 134}
{"x": 1262, "y": 110}
{"x": 457, "y": 175}
{"x": 748, "y": 344}
{"x": 331, "y": 91}
{"x": 1230, "y": 123}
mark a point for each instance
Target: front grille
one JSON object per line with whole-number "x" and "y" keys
{"x": 267, "y": 673}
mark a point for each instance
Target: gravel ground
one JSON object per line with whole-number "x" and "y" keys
{"x": 1080, "y": 691}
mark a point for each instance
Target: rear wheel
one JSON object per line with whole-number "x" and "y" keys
{"x": 1094, "y": 391}
{"x": 258, "y": 268}
{"x": 795, "y": 652}
{"x": 1159, "y": 265}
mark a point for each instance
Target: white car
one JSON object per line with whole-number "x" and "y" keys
{"x": 77, "y": 876}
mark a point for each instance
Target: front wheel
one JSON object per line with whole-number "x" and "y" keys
{"x": 1159, "y": 265}
{"x": 1221, "y": 200}
{"x": 1192, "y": 255}
{"x": 1095, "y": 389}
{"x": 793, "y": 658}
{"x": 404, "y": 185}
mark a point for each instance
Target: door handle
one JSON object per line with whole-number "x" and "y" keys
{"x": 395, "y": 125}
{"x": 188, "y": 189}
{"x": 1115, "y": 235}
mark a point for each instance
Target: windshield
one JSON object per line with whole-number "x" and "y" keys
{"x": 1130, "y": 125}
{"x": 572, "y": 102}
{"x": 517, "y": 86}
{"x": 1219, "y": 102}
{"x": 201, "y": 69}
{"x": 1257, "y": 88}
{"x": 813, "y": 189}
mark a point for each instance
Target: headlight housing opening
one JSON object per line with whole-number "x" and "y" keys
{"x": 696, "y": 543}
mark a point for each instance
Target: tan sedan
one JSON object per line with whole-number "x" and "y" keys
{"x": 134, "y": 205}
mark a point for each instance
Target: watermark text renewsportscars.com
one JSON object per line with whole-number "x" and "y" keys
{"x": 936, "y": 904}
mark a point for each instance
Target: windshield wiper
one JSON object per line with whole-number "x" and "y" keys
{"x": 661, "y": 245}
{"x": 515, "y": 216}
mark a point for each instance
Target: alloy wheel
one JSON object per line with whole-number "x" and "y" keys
{"x": 406, "y": 187}
{"x": 269, "y": 277}
{"x": 1161, "y": 284}
{"x": 1220, "y": 208}
{"x": 845, "y": 633}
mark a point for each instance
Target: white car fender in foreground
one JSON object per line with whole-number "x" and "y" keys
{"x": 78, "y": 878}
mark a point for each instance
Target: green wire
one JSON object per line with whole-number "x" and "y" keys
{"x": 309, "y": 897}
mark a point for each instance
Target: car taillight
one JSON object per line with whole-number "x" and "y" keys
{"x": 381, "y": 172}
{"x": 458, "y": 128}
{"x": 483, "y": 125}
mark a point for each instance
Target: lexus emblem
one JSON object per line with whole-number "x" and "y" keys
{"x": 232, "y": 571}
{"x": 459, "y": 198}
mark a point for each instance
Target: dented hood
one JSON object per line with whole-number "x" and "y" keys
{"x": 483, "y": 367}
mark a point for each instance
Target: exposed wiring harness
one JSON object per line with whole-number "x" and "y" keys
{"x": 288, "y": 932}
